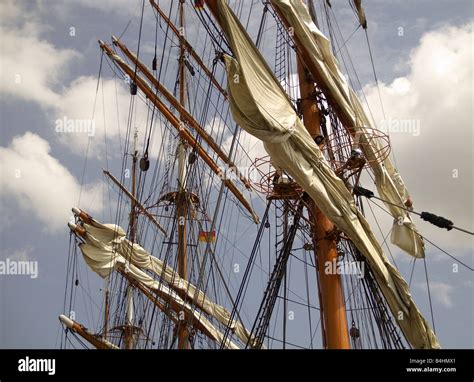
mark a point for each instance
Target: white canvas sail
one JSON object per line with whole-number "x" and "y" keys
{"x": 260, "y": 106}
{"x": 107, "y": 247}
{"x": 389, "y": 183}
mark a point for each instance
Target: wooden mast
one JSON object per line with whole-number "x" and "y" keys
{"x": 129, "y": 327}
{"x": 335, "y": 329}
{"x": 189, "y": 48}
{"x": 106, "y": 315}
{"x": 181, "y": 200}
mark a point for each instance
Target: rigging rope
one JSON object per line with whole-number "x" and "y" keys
{"x": 248, "y": 270}
{"x": 89, "y": 135}
{"x": 429, "y": 295}
{"x": 375, "y": 74}
{"x": 436, "y": 220}
{"x": 265, "y": 311}
{"x": 429, "y": 241}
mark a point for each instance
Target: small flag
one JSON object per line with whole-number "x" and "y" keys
{"x": 199, "y": 4}
{"x": 207, "y": 237}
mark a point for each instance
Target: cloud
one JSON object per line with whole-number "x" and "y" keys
{"x": 33, "y": 70}
{"x": 125, "y": 8}
{"x": 429, "y": 114}
{"x": 104, "y": 112}
{"x": 40, "y": 185}
{"x": 440, "y": 292}
{"x": 9, "y": 11}
{"x": 20, "y": 254}
{"x": 31, "y": 67}
{"x": 109, "y": 109}
{"x": 248, "y": 148}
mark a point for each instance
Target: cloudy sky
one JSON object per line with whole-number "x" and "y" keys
{"x": 49, "y": 61}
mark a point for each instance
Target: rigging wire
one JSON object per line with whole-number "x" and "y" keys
{"x": 125, "y": 29}
{"x": 378, "y": 91}
{"x": 308, "y": 301}
{"x": 375, "y": 74}
{"x": 429, "y": 294}
{"x": 89, "y": 136}
{"x": 429, "y": 241}
{"x": 347, "y": 39}
{"x": 334, "y": 40}
{"x": 139, "y": 40}
{"x": 412, "y": 270}
{"x": 438, "y": 221}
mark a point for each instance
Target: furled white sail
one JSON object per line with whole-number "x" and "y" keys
{"x": 141, "y": 258}
{"x": 107, "y": 248}
{"x": 260, "y": 106}
{"x": 388, "y": 181}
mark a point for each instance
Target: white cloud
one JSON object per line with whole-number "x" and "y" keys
{"x": 440, "y": 292}
{"x": 20, "y": 254}
{"x": 126, "y": 8}
{"x": 31, "y": 67}
{"x": 9, "y": 11}
{"x": 40, "y": 185}
{"x": 77, "y": 104}
{"x": 246, "y": 152}
{"x": 32, "y": 70}
{"x": 248, "y": 149}
{"x": 74, "y": 103}
{"x": 436, "y": 96}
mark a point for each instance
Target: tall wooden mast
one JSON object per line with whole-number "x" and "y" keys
{"x": 129, "y": 327}
{"x": 181, "y": 201}
{"x": 335, "y": 329}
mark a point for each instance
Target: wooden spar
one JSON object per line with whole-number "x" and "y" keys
{"x": 182, "y": 200}
{"x": 182, "y": 130}
{"x": 177, "y": 308}
{"x": 335, "y": 329}
{"x": 106, "y": 314}
{"x": 146, "y": 291}
{"x": 189, "y": 48}
{"x": 336, "y": 335}
{"x": 97, "y": 342}
{"x": 129, "y": 337}
{"x": 333, "y": 308}
{"x": 138, "y": 205}
{"x": 179, "y": 106}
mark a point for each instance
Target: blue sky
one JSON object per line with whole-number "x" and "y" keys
{"x": 423, "y": 54}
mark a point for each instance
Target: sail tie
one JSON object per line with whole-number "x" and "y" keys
{"x": 436, "y": 220}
